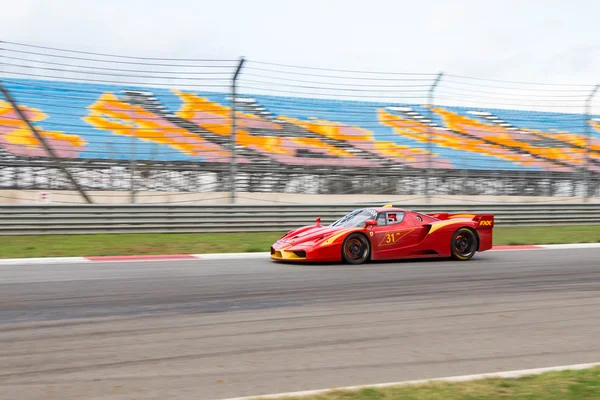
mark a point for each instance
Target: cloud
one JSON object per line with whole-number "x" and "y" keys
{"x": 515, "y": 40}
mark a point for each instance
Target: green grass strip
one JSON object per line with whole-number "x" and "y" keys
{"x": 200, "y": 243}
{"x": 564, "y": 385}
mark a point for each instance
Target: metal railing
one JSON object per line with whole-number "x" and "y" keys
{"x": 88, "y": 219}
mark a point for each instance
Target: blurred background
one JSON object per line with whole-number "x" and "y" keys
{"x": 414, "y": 118}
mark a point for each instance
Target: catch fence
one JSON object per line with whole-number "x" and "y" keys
{"x": 103, "y": 122}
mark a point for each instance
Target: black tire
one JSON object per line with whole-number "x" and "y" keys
{"x": 356, "y": 249}
{"x": 464, "y": 244}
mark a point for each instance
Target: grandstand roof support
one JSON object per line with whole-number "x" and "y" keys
{"x": 430, "y": 102}
{"x": 39, "y": 137}
{"x": 233, "y": 128}
{"x": 588, "y": 132}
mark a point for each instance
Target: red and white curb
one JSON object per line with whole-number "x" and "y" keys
{"x": 108, "y": 259}
{"x": 450, "y": 379}
{"x": 571, "y": 246}
{"x": 240, "y": 256}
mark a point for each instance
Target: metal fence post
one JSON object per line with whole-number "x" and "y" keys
{"x": 430, "y": 136}
{"x": 588, "y": 135}
{"x": 132, "y": 164}
{"x": 48, "y": 149}
{"x": 233, "y": 128}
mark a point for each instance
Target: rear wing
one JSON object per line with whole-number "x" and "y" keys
{"x": 484, "y": 220}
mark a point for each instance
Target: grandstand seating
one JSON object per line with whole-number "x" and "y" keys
{"x": 266, "y": 137}
{"x": 110, "y": 122}
{"x": 109, "y": 113}
{"x": 525, "y": 147}
{"x": 18, "y": 139}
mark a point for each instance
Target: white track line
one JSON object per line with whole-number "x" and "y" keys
{"x": 229, "y": 256}
{"x": 44, "y": 260}
{"x": 570, "y": 246}
{"x": 462, "y": 378}
{"x": 246, "y": 256}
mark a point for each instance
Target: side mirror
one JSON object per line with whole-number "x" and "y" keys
{"x": 318, "y": 221}
{"x": 370, "y": 222}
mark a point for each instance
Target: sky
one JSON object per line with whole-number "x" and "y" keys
{"x": 548, "y": 41}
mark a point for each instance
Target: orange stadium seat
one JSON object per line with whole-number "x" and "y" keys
{"x": 108, "y": 113}
{"x": 17, "y": 138}
{"x": 284, "y": 148}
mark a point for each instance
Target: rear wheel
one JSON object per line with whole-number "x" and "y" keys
{"x": 356, "y": 249}
{"x": 464, "y": 244}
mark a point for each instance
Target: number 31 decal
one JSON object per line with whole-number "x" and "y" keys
{"x": 390, "y": 237}
{"x": 393, "y": 237}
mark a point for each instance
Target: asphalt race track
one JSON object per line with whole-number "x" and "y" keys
{"x": 204, "y": 329}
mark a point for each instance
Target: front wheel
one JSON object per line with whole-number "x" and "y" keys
{"x": 356, "y": 249}
{"x": 464, "y": 244}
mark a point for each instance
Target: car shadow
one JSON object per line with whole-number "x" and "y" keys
{"x": 403, "y": 261}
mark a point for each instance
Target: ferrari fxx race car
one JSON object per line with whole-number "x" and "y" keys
{"x": 388, "y": 233}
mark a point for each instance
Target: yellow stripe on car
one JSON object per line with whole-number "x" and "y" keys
{"x": 334, "y": 237}
{"x": 462, "y": 216}
{"x": 439, "y": 225}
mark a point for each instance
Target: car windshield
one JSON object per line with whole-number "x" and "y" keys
{"x": 356, "y": 218}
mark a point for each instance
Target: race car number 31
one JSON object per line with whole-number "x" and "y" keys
{"x": 391, "y": 238}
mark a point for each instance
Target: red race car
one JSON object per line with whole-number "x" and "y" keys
{"x": 388, "y": 233}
